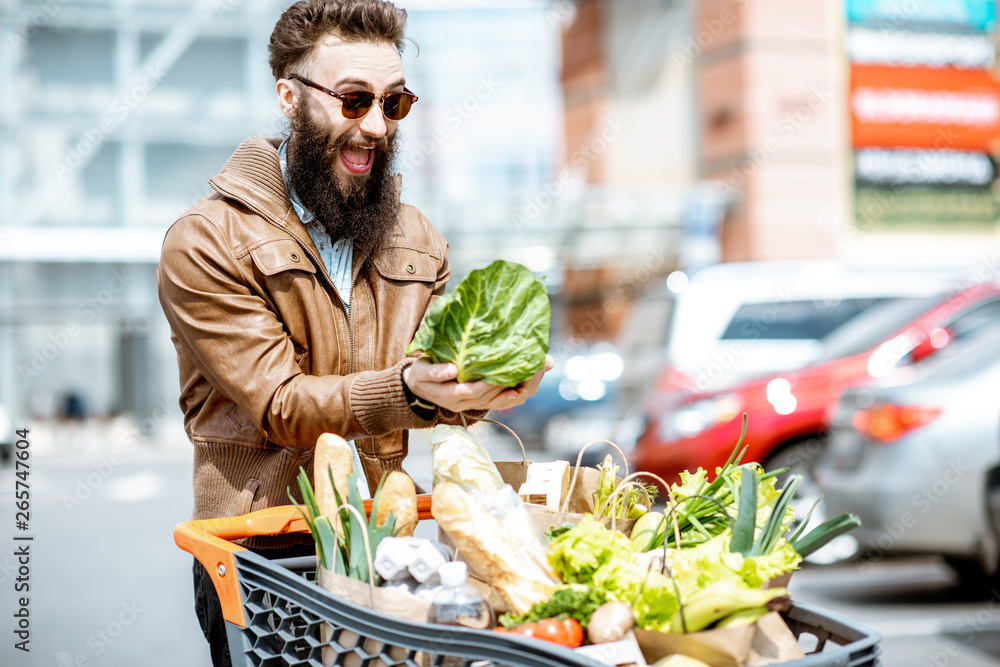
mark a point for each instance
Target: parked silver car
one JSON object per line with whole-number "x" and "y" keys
{"x": 910, "y": 456}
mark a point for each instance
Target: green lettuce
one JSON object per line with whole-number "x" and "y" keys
{"x": 696, "y": 567}
{"x": 593, "y": 555}
{"x": 579, "y": 552}
{"x": 494, "y": 326}
{"x": 650, "y": 593}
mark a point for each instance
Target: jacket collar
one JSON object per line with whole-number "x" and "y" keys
{"x": 253, "y": 176}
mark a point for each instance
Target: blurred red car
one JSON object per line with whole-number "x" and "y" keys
{"x": 787, "y": 412}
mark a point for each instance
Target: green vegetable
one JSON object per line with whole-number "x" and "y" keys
{"x": 556, "y": 531}
{"x": 344, "y": 554}
{"x": 696, "y": 567}
{"x": 577, "y": 601}
{"x": 746, "y": 520}
{"x": 493, "y": 327}
{"x": 651, "y": 594}
{"x": 576, "y": 554}
{"x": 592, "y": 554}
{"x": 630, "y": 502}
{"x": 826, "y": 531}
{"x": 777, "y": 521}
{"x": 648, "y": 529}
{"x": 605, "y": 485}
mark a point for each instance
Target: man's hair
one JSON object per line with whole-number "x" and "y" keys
{"x": 304, "y": 24}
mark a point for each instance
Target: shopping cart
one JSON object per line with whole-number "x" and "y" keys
{"x": 277, "y": 615}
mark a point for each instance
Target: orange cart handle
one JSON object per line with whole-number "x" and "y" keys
{"x": 210, "y": 541}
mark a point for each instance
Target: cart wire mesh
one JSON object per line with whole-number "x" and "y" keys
{"x": 292, "y": 621}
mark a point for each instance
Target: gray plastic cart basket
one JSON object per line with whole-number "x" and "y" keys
{"x": 277, "y": 615}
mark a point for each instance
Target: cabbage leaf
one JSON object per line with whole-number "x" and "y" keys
{"x": 494, "y": 326}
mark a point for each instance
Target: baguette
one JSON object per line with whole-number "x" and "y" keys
{"x": 486, "y": 546}
{"x": 333, "y": 453}
{"x": 399, "y": 496}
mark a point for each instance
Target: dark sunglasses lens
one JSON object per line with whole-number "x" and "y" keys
{"x": 395, "y": 106}
{"x": 357, "y": 104}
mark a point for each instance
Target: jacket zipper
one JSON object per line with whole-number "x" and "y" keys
{"x": 318, "y": 262}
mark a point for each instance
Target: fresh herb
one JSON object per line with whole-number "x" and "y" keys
{"x": 556, "y": 531}
{"x": 577, "y": 601}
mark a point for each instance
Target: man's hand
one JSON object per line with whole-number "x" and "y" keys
{"x": 436, "y": 383}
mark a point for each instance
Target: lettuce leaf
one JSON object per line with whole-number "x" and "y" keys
{"x": 650, "y": 593}
{"x": 493, "y": 327}
{"x": 696, "y": 567}
{"x": 758, "y": 569}
{"x": 579, "y": 552}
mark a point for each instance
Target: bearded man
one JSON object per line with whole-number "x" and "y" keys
{"x": 293, "y": 290}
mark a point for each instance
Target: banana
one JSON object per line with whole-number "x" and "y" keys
{"x": 717, "y": 601}
{"x": 745, "y": 617}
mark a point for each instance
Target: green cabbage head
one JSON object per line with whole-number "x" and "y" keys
{"x": 493, "y": 327}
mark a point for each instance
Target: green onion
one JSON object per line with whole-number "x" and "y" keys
{"x": 822, "y": 534}
{"x": 746, "y": 519}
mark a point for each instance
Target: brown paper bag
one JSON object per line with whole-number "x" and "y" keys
{"x": 774, "y": 641}
{"x": 767, "y": 641}
{"x": 382, "y": 600}
{"x": 582, "y": 490}
{"x": 727, "y": 647}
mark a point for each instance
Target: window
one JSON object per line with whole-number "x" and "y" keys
{"x": 797, "y": 320}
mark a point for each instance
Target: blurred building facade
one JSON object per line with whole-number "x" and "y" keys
{"x": 121, "y": 110}
{"x": 602, "y": 143}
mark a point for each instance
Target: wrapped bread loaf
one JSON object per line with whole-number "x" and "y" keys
{"x": 399, "y": 498}
{"x": 333, "y": 455}
{"x": 489, "y": 550}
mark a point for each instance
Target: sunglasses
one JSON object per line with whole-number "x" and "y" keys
{"x": 358, "y": 103}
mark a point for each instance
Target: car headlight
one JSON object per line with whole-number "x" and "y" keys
{"x": 689, "y": 420}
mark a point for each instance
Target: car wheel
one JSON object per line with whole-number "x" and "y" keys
{"x": 971, "y": 576}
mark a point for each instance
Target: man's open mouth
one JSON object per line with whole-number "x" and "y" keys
{"x": 357, "y": 159}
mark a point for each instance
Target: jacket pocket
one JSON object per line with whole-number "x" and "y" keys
{"x": 301, "y": 358}
{"x": 281, "y": 255}
{"x": 247, "y": 496}
{"x": 239, "y": 417}
{"x": 407, "y": 264}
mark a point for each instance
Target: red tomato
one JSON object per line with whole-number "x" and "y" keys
{"x": 563, "y": 631}
{"x": 574, "y": 632}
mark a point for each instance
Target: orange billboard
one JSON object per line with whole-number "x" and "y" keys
{"x": 921, "y": 107}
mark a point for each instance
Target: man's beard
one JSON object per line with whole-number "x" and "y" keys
{"x": 362, "y": 208}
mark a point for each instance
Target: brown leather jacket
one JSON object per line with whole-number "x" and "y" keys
{"x": 269, "y": 356}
